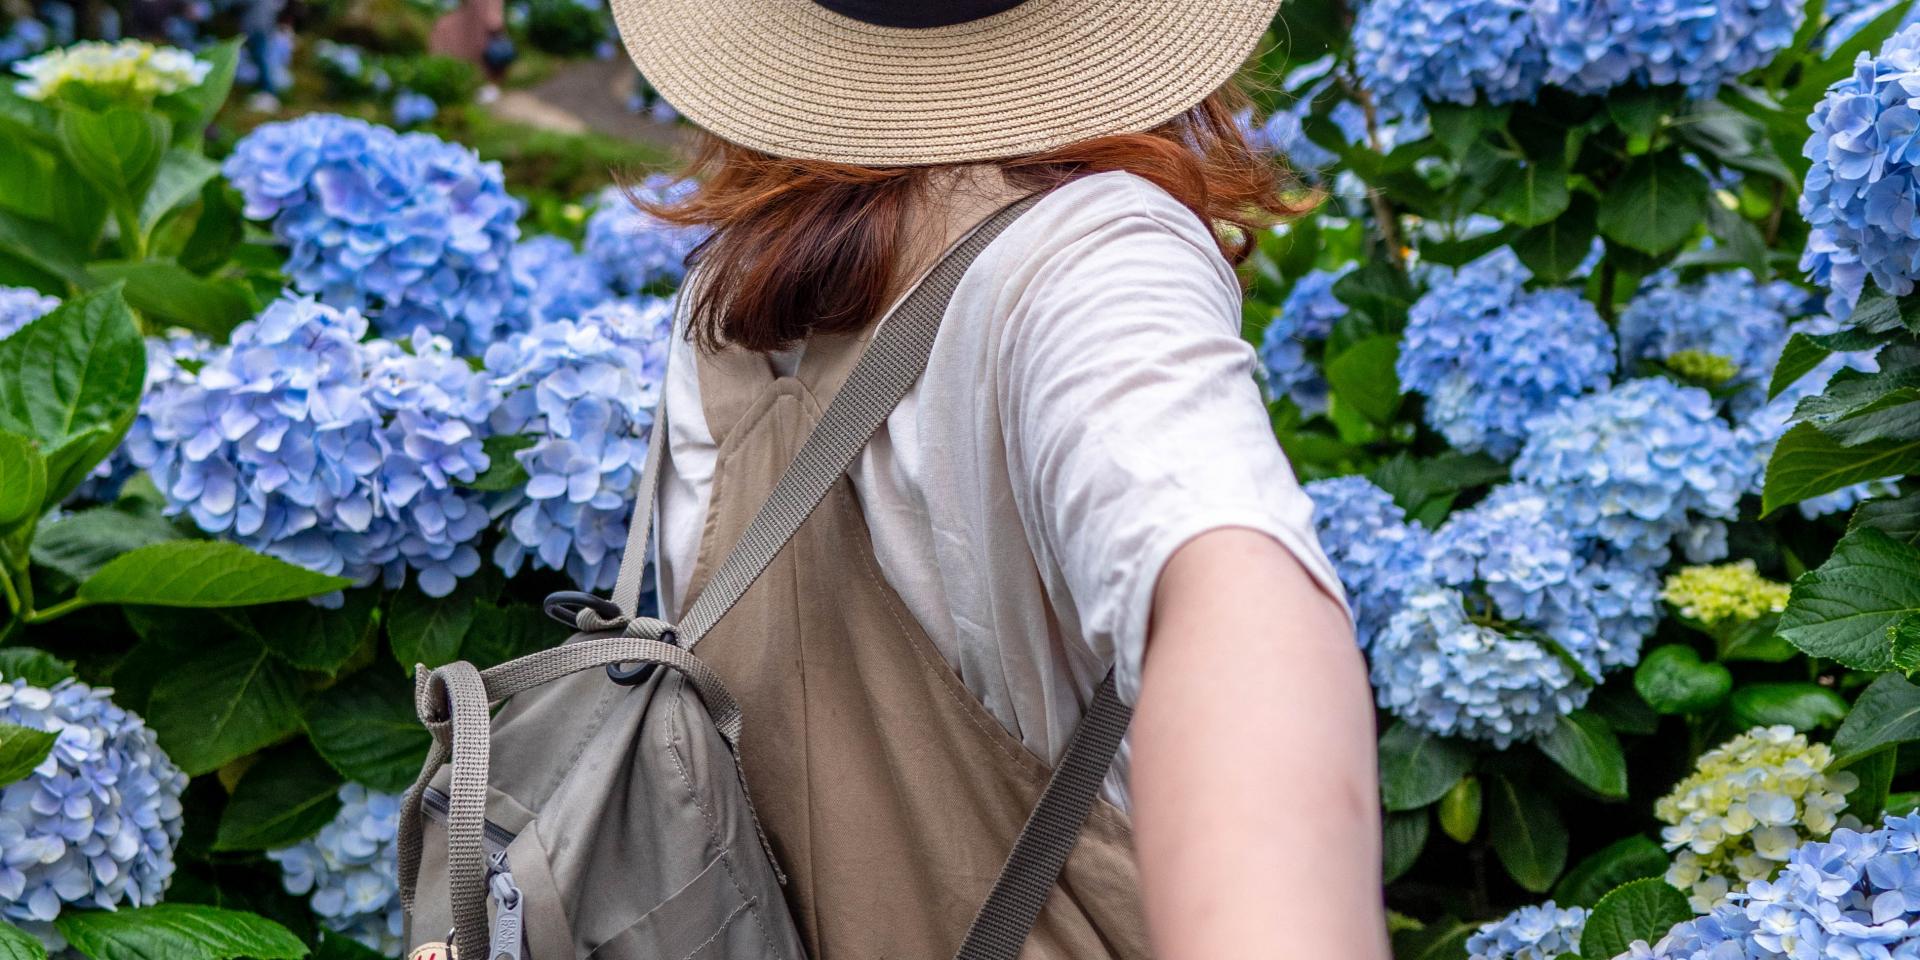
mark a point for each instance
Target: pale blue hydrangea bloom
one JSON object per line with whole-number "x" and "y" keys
{"x": 1283, "y": 133}
{"x": 407, "y": 227}
{"x": 95, "y": 824}
{"x": 1854, "y": 895}
{"x": 1490, "y": 356}
{"x": 1377, "y": 552}
{"x": 553, "y": 281}
{"x": 20, "y": 306}
{"x": 351, "y": 870}
{"x": 169, "y": 362}
{"x": 412, "y": 109}
{"x": 1862, "y": 187}
{"x": 1540, "y": 932}
{"x": 1851, "y": 16}
{"x": 1726, "y": 315}
{"x": 587, "y": 390}
{"x": 1410, "y": 52}
{"x": 1306, "y": 316}
{"x": 1594, "y": 46}
{"x": 1638, "y": 465}
{"x": 633, "y": 249}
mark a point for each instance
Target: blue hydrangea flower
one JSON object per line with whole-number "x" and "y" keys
{"x": 1490, "y": 356}
{"x": 1541, "y": 932}
{"x": 95, "y": 824}
{"x": 1862, "y": 186}
{"x": 1761, "y": 429}
{"x": 586, "y": 390}
{"x": 20, "y": 306}
{"x": 407, "y": 227}
{"x": 413, "y": 109}
{"x": 1306, "y": 316}
{"x": 1855, "y": 894}
{"x": 1595, "y": 45}
{"x": 1727, "y": 315}
{"x": 1638, "y": 465}
{"x": 552, "y": 281}
{"x": 1378, "y": 553}
{"x": 1410, "y": 52}
{"x": 302, "y": 442}
{"x": 351, "y": 870}
{"x": 168, "y": 361}
{"x": 633, "y": 249}
{"x": 1849, "y": 17}
{"x": 1283, "y": 133}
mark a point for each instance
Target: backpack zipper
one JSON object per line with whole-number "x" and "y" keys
{"x": 434, "y": 801}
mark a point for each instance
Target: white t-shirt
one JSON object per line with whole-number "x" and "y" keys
{"x": 1089, "y": 407}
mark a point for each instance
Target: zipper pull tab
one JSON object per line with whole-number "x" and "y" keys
{"x": 509, "y": 912}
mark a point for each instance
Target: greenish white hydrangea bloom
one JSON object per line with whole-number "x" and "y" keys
{"x": 129, "y": 70}
{"x": 1748, "y": 804}
{"x": 1715, "y": 594}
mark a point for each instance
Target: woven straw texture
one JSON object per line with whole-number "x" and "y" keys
{"x": 793, "y": 79}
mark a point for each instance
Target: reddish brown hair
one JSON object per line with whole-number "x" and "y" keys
{"x": 802, "y": 246}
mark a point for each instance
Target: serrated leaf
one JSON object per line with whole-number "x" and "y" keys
{"x": 1672, "y": 680}
{"x": 17, "y": 944}
{"x": 23, "y": 481}
{"x": 166, "y": 290}
{"x": 1584, "y": 746}
{"x": 1843, "y": 609}
{"x": 365, "y": 728}
{"x": 312, "y": 637}
{"x": 430, "y": 630}
{"x": 504, "y": 471}
{"x": 1655, "y": 205}
{"x": 37, "y": 667}
{"x": 118, "y": 150}
{"x": 1528, "y": 835}
{"x": 79, "y": 368}
{"x": 22, "y": 749}
{"x": 1803, "y": 706}
{"x": 1459, "y": 810}
{"x": 1363, "y": 375}
{"x": 1885, "y": 714}
{"x": 1867, "y": 800}
{"x": 1446, "y": 940}
{"x": 77, "y": 545}
{"x": 1807, "y": 463}
{"x": 1417, "y": 768}
{"x": 1797, "y": 359}
{"x": 203, "y": 573}
{"x": 179, "y": 180}
{"x": 173, "y": 931}
{"x": 500, "y": 633}
{"x": 284, "y": 798}
{"x": 1403, "y": 837}
{"x": 1897, "y": 517}
{"x": 69, "y": 463}
{"x": 1555, "y": 250}
{"x": 1530, "y": 193}
{"x": 1631, "y": 858}
{"x": 222, "y": 701}
{"x": 1638, "y": 910}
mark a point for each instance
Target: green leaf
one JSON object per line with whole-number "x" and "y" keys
{"x": 1803, "y": 706}
{"x": 1446, "y": 940}
{"x": 366, "y": 728}
{"x": 334, "y": 946}
{"x": 284, "y": 798}
{"x": 1753, "y": 641}
{"x": 1622, "y": 861}
{"x": 22, "y": 749}
{"x": 69, "y": 463}
{"x": 1403, "y": 836}
{"x": 118, "y": 151}
{"x": 500, "y": 634}
{"x": 1655, "y": 205}
{"x": 203, "y": 573}
{"x": 503, "y": 472}
{"x": 1527, "y": 833}
{"x": 48, "y": 251}
{"x": 1585, "y": 747}
{"x": 1844, "y": 609}
{"x": 77, "y": 545}
{"x": 1623, "y": 709}
{"x": 1417, "y": 768}
{"x": 1875, "y": 772}
{"x": 78, "y": 369}
{"x": 1671, "y": 679}
{"x": 311, "y": 637}
{"x": 171, "y": 292}
{"x": 1459, "y": 810}
{"x": 1637, "y": 111}
{"x": 23, "y": 481}
{"x": 1530, "y": 193}
{"x": 1739, "y": 237}
{"x": 179, "y": 180}
{"x": 37, "y": 667}
{"x": 1363, "y": 375}
{"x": 176, "y": 931}
{"x": 217, "y": 231}
{"x": 1458, "y": 128}
{"x": 222, "y": 701}
{"x": 430, "y": 630}
{"x": 1555, "y": 249}
{"x": 1797, "y": 359}
{"x": 1638, "y": 910}
{"x": 1897, "y": 517}
{"x": 196, "y": 106}
{"x": 1807, "y": 463}
{"x": 1886, "y": 713}
{"x": 17, "y": 944}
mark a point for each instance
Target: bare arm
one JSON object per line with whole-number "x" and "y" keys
{"x": 1255, "y": 800}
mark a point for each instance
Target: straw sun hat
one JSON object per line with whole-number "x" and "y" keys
{"x": 897, "y": 82}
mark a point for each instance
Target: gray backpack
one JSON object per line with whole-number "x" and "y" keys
{"x": 602, "y": 813}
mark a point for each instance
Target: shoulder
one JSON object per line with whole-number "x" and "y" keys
{"x": 1114, "y": 203}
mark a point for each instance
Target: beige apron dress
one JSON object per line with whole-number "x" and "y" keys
{"x": 890, "y": 794}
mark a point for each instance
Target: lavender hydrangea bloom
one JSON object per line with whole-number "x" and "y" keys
{"x": 1541, "y": 932}
{"x": 1490, "y": 356}
{"x": 168, "y": 361}
{"x": 633, "y": 249}
{"x": 303, "y": 443}
{"x": 20, "y": 306}
{"x": 587, "y": 391}
{"x": 553, "y": 281}
{"x": 95, "y": 824}
{"x": 1306, "y": 316}
{"x": 1409, "y": 52}
{"x": 351, "y": 870}
{"x": 1726, "y": 315}
{"x": 1862, "y": 186}
{"x": 1638, "y": 465}
{"x": 412, "y": 229}
{"x": 1855, "y": 894}
{"x": 1593, "y": 46}
{"x": 1379, "y": 555}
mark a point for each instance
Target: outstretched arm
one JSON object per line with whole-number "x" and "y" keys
{"x": 1255, "y": 800}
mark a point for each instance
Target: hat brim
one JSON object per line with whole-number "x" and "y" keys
{"x": 793, "y": 79}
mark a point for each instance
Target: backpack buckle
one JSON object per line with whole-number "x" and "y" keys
{"x": 566, "y": 606}
{"x": 633, "y": 675}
